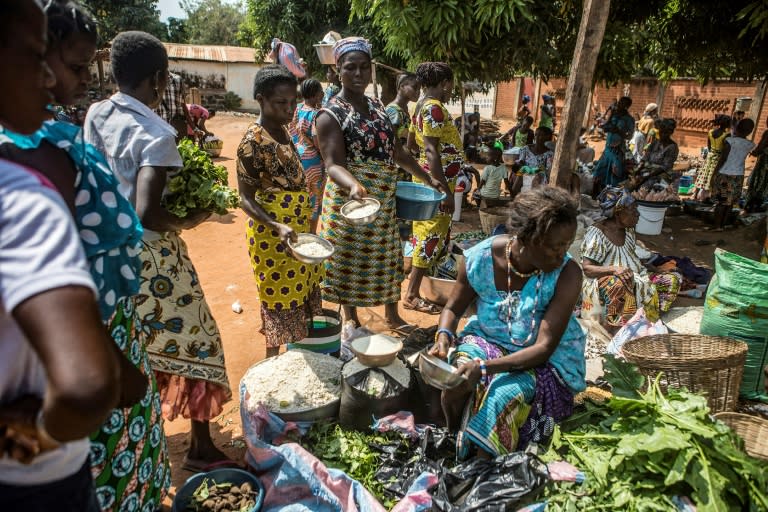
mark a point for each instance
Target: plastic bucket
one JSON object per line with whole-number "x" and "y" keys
{"x": 651, "y": 219}
{"x": 324, "y": 334}
{"x": 417, "y": 202}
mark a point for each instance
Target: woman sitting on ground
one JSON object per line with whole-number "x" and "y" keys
{"x": 659, "y": 159}
{"x": 617, "y": 283}
{"x": 523, "y": 353}
{"x": 534, "y": 163}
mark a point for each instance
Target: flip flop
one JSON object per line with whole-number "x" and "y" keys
{"x": 195, "y": 467}
{"x": 422, "y": 306}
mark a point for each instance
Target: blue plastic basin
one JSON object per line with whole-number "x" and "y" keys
{"x": 228, "y": 475}
{"x": 416, "y": 201}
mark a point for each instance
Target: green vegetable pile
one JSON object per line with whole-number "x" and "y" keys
{"x": 352, "y": 452}
{"x": 200, "y": 184}
{"x": 638, "y": 450}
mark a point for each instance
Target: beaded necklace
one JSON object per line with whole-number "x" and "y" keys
{"x": 511, "y": 303}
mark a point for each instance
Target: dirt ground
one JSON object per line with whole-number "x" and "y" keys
{"x": 219, "y": 252}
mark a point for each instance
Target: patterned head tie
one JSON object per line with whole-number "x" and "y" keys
{"x": 350, "y": 44}
{"x": 614, "y": 199}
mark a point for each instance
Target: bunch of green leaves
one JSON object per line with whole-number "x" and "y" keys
{"x": 199, "y": 185}
{"x": 356, "y": 453}
{"x": 640, "y": 449}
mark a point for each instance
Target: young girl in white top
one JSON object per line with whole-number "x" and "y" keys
{"x": 728, "y": 178}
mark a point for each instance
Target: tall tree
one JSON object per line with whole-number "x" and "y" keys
{"x": 177, "y": 30}
{"x": 119, "y": 15}
{"x": 213, "y": 21}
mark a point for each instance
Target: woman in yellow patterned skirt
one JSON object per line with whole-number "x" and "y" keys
{"x": 715, "y": 139}
{"x": 441, "y": 153}
{"x": 274, "y": 195}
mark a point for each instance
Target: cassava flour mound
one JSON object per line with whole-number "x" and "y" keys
{"x": 294, "y": 381}
{"x": 376, "y": 380}
{"x": 312, "y": 249}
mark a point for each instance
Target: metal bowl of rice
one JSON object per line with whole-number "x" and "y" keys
{"x": 361, "y": 212}
{"x": 311, "y": 249}
{"x": 376, "y": 350}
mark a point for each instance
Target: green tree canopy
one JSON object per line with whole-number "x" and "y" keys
{"x": 212, "y": 21}
{"x": 116, "y": 16}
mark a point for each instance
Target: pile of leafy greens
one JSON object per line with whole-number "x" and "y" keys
{"x": 641, "y": 449}
{"x": 357, "y": 454}
{"x": 199, "y": 185}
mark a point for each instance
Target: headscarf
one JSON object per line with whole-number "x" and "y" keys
{"x": 613, "y": 199}
{"x": 651, "y": 107}
{"x": 351, "y": 44}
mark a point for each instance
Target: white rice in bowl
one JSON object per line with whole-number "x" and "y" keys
{"x": 684, "y": 320}
{"x": 295, "y": 381}
{"x": 376, "y": 380}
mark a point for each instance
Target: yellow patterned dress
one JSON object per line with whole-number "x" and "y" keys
{"x": 289, "y": 290}
{"x": 704, "y": 178}
{"x": 433, "y": 120}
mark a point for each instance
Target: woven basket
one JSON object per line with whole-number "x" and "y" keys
{"x": 753, "y": 430}
{"x": 492, "y": 217}
{"x": 710, "y": 365}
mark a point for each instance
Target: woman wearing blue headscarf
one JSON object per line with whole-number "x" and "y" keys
{"x": 616, "y": 282}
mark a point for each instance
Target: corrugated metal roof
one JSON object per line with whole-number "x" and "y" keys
{"x": 210, "y": 53}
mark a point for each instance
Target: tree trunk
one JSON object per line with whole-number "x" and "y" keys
{"x": 591, "y": 31}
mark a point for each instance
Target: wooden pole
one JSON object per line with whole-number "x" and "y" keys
{"x": 591, "y": 31}
{"x": 373, "y": 79}
{"x": 463, "y": 100}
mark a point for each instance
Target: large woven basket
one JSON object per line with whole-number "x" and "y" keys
{"x": 492, "y": 217}
{"x": 753, "y": 430}
{"x": 710, "y": 365}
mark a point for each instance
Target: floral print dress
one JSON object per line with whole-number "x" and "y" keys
{"x": 366, "y": 269}
{"x": 289, "y": 290}
{"x": 129, "y": 456}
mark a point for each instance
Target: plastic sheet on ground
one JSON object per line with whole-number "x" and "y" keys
{"x": 294, "y": 479}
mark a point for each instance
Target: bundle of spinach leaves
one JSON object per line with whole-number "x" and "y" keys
{"x": 355, "y": 453}
{"x": 200, "y": 184}
{"x": 639, "y": 450}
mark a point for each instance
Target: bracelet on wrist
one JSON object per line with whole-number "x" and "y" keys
{"x": 483, "y": 368}
{"x": 447, "y": 332}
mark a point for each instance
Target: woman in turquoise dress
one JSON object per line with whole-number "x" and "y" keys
{"x": 523, "y": 352}
{"x": 611, "y": 169}
{"x": 129, "y": 459}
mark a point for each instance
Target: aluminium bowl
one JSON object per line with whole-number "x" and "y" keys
{"x": 439, "y": 374}
{"x": 305, "y": 258}
{"x": 354, "y": 204}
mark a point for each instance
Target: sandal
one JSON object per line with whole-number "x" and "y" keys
{"x": 422, "y": 306}
{"x": 404, "y": 330}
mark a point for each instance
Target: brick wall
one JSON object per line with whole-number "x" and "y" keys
{"x": 693, "y": 105}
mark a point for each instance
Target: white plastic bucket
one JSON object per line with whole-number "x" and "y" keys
{"x": 651, "y": 219}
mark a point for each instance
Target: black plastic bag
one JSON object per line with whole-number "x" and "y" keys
{"x": 403, "y": 461}
{"x": 504, "y": 483}
{"x": 358, "y": 407}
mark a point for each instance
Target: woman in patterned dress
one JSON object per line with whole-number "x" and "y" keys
{"x": 441, "y": 153}
{"x": 523, "y": 352}
{"x": 128, "y": 454}
{"x": 275, "y": 197}
{"x": 304, "y": 138}
{"x": 616, "y": 283}
{"x": 715, "y": 140}
{"x": 183, "y": 339}
{"x": 360, "y": 152}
